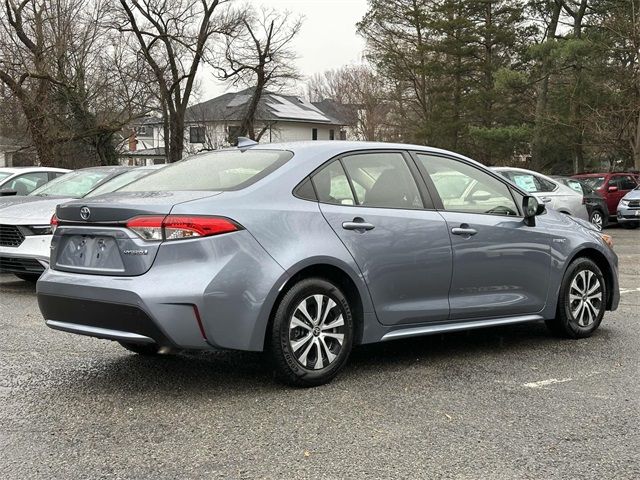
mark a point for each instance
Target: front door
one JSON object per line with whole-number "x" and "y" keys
{"x": 372, "y": 202}
{"x": 501, "y": 267}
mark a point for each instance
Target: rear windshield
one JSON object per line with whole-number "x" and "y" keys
{"x": 222, "y": 170}
{"x": 75, "y": 184}
{"x": 120, "y": 181}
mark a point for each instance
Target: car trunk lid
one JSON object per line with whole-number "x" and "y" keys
{"x": 92, "y": 235}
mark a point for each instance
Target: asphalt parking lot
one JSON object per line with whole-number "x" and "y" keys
{"x": 499, "y": 403}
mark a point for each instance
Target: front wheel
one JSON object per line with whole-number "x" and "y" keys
{"x": 312, "y": 333}
{"x": 582, "y": 300}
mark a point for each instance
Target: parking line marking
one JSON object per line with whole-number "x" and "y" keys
{"x": 544, "y": 383}
{"x": 629, "y": 290}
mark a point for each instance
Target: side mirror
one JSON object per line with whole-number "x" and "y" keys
{"x": 613, "y": 189}
{"x": 531, "y": 208}
{"x": 8, "y": 192}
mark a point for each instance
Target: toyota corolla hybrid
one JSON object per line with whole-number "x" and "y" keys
{"x": 306, "y": 249}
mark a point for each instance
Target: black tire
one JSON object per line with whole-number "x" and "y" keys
{"x": 572, "y": 321}
{"x": 28, "y": 277}
{"x": 598, "y": 219}
{"x": 147, "y": 349}
{"x": 321, "y": 340}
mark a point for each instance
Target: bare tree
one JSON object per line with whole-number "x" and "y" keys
{"x": 172, "y": 37}
{"x": 261, "y": 57}
{"x": 57, "y": 61}
{"x": 360, "y": 94}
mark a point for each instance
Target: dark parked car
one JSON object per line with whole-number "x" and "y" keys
{"x": 306, "y": 249}
{"x": 597, "y": 208}
{"x": 611, "y": 186}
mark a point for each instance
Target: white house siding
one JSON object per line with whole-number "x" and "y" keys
{"x": 216, "y": 135}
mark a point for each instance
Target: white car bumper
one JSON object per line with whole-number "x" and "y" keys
{"x": 31, "y": 256}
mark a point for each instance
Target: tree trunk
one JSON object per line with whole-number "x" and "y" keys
{"x": 542, "y": 93}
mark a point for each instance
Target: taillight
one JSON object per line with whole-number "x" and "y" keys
{"x": 177, "y": 227}
{"x": 54, "y": 223}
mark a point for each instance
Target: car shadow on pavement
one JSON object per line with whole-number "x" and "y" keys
{"x": 11, "y": 284}
{"x": 239, "y": 373}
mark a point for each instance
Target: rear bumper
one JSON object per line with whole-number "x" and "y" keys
{"x": 199, "y": 294}
{"x": 102, "y": 320}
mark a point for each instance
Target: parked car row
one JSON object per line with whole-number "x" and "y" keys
{"x": 25, "y": 230}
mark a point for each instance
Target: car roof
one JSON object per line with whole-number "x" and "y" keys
{"x": 14, "y": 170}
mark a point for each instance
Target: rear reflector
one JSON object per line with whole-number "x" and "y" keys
{"x": 176, "y": 227}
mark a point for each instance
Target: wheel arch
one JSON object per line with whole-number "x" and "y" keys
{"x": 603, "y": 264}
{"x": 354, "y": 289}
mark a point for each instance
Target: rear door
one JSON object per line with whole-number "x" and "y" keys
{"x": 501, "y": 267}
{"x": 400, "y": 243}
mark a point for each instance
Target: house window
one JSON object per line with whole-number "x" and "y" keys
{"x": 314, "y": 134}
{"x": 332, "y": 134}
{"x": 141, "y": 130}
{"x": 196, "y": 135}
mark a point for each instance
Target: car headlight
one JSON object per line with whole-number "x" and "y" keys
{"x": 607, "y": 240}
{"x": 40, "y": 229}
{"x": 624, "y": 203}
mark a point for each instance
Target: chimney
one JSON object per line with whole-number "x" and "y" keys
{"x": 132, "y": 141}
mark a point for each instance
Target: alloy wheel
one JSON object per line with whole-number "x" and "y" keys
{"x": 585, "y": 297}
{"x": 316, "y": 332}
{"x": 597, "y": 220}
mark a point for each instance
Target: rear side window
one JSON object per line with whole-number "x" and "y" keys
{"x": 332, "y": 185}
{"x": 382, "y": 180}
{"x": 222, "y": 170}
{"x": 627, "y": 183}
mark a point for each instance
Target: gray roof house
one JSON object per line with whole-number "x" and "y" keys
{"x": 214, "y": 124}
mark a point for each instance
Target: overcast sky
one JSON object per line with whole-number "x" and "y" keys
{"x": 327, "y": 39}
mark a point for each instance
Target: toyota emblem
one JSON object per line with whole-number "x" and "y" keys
{"x": 85, "y": 213}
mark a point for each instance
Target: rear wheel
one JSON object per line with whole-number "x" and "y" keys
{"x": 28, "y": 277}
{"x": 142, "y": 349}
{"x": 312, "y": 333}
{"x": 582, "y": 300}
{"x": 597, "y": 219}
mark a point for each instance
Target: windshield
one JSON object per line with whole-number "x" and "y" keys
{"x": 223, "y": 170}
{"x": 75, "y": 184}
{"x": 593, "y": 182}
{"x": 4, "y": 175}
{"x": 119, "y": 181}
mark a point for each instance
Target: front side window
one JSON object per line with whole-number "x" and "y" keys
{"x": 221, "y": 170}
{"x": 332, "y": 185}
{"x": 482, "y": 194}
{"x": 382, "y": 180}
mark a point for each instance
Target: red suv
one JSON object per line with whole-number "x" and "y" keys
{"x": 612, "y": 186}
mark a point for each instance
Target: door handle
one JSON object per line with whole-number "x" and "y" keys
{"x": 546, "y": 199}
{"x": 358, "y": 224}
{"x": 464, "y": 230}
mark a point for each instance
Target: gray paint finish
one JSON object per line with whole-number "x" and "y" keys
{"x": 409, "y": 271}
